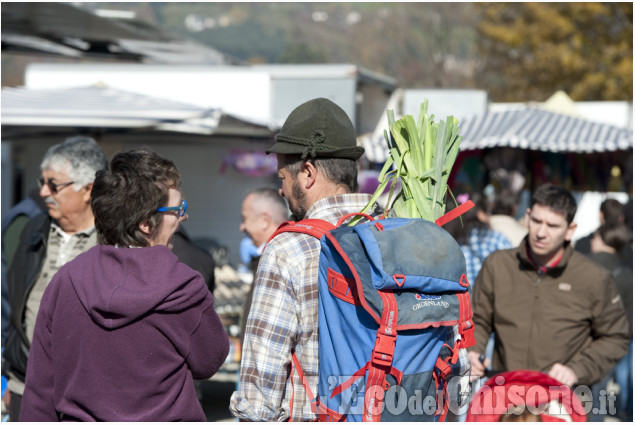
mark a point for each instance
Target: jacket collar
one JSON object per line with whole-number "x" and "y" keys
{"x": 522, "y": 255}
{"x": 42, "y": 223}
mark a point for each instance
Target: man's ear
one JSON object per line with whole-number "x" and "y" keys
{"x": 266, "y": 220}
{"x": 570, "y": 231}
{"x": 87, "y": 189}
{"x": 310, "y": 172}
{"x": 527, "y": 212}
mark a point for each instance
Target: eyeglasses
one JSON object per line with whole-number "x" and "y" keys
{"x": 54, "y": 187}
{"x": 182, "y": 209}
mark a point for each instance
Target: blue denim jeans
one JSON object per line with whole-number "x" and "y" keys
{"x": 624, "y": 378}
{"x": 622, "y": 374}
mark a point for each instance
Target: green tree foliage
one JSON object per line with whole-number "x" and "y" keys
{"x": 420, "y": 44}
{"x": 517, "y": 52}
{"x": 302, "y": 53}
{"x": 530, "y": 50}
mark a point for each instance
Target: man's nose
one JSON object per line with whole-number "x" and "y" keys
{"x": 242, "y": 227}
{"x": 280, "y": 192}
{"x": 45, "y": 191}
{"x": 542, "y": 230}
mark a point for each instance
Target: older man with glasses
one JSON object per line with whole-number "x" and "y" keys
{"x": 47, "y": 243}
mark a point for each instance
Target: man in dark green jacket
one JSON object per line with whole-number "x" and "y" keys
{"x": 550, "y": 307}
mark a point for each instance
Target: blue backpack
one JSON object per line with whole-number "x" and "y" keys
{"x": 389, "y": 291}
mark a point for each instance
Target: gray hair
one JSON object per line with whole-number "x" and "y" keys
{"x": 269, "y": 199}
{"x": 80, "y": 157}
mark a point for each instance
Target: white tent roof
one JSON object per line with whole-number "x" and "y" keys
{"x": 103, "y": 107}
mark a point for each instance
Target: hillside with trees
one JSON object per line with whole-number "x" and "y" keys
{"x": 534, "y": 49}
{"x": 515, "y": 51}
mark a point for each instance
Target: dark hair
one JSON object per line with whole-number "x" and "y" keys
{"x": 504, "y": 203}
{"x": 128, "y": 192}
{"x": 612, "y": 211}
{"x": 628, "y": 214}
{"x": 615, "y": 235}
{"x": 556, "y": 198}
{"x": 461, "y": 229}
{"x": 340, "y": 171}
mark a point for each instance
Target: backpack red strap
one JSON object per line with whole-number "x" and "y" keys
{"x": 381, "y": 358}
{"x": 317, "y": 228}
{"x": 451, "y": 215}
{"x": 324, "y": 413}
{"x": 310, "y": 226}
{"x": 466, "y": 325}
{"x": 396, "y": 373}
{"x": 343, "y": 219}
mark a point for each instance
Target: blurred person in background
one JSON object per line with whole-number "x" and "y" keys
{"x": 474, "y": 235}
{"x": 611, "y": 211}
{"x": 502, "y": 218}
{"x": 263, "y": 210}
{"x": 627, "y": 252}
{"x": 477, "y": 241}
{"x": 248, "y": 251}
{"x": 12, "y": 225}
{"x": 47, "y": 242}
{"x": 194, "y": 256}
{"x": 606, "y": 245}
{"x": 552, "y": 309}
{"x": 125, "y": 328}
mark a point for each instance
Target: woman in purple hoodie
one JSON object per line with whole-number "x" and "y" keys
{"x": 125, "y": 328}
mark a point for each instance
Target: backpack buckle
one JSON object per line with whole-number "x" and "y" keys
{"x": 384, "y": 349}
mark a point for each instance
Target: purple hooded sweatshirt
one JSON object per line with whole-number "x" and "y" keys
{"x": 120, "y": 335}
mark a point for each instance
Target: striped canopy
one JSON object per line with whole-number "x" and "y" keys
{"x": 540, "y": 130}
{"x": 527, "y": 128}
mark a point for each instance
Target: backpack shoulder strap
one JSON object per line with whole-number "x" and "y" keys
{"x": 452, "y": 214}
{"x": 310, "y": 226}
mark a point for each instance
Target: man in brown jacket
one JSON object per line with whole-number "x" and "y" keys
{"x": 550, "y": 307}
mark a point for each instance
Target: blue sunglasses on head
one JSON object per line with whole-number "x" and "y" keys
{"x": 182, "y": 209}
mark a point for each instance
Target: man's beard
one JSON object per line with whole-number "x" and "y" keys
{"x": 299, "y": 210}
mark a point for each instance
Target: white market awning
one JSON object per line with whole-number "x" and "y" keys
{"x": 540, "y": 130}
{"x": 525, "y": 128}
{"x": 103, "y": 107}
{"x": 100, "y": 107}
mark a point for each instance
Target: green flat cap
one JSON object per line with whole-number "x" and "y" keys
{"x": 318, "y": 129}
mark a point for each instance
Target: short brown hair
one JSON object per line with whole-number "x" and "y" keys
{"x": 615, "y": 235}
{"x": 556, "y": 198}
{"x": 612, "y": 211}
{"x": 128, "y": 192}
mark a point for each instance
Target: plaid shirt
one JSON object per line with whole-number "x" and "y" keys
{"x": 481, "y": 243}
{"x": 284, "y": 318}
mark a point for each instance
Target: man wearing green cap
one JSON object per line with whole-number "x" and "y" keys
{"x": 317, "y": 152}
